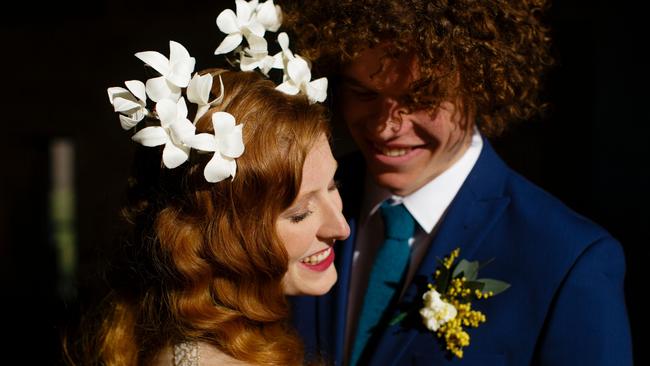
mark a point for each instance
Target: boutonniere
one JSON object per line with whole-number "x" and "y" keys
{"x": 447, "y": 305}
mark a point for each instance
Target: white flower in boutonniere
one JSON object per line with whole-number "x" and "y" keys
{"x": 436, "y": 311}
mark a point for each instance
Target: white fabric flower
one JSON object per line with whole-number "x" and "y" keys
{"x": 226, "y": 143}
{"x": 256, "y": 55}
{"x": 198, "y": 92}
{"x": 436, "y": 311}
{"x": 297, "y": 74}
{"x": 269, "y": 15}
{"x": 298, "y": 78}
{"x": 282, "y": 58}
{"x": 131, "y": 103}
{"x": 239, "y": 25}
{"x": 175, "y": 129}
{"x": 175, "y": 72}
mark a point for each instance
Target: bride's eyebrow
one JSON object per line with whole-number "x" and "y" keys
{"x": 303, "y": 200}
{"x": 301, "y": 203}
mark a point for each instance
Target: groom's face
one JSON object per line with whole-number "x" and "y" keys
{"x": 404, "y": 149}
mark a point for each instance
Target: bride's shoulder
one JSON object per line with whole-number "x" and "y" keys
{"x": 194, "y": 354}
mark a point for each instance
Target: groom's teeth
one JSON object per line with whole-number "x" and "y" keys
{"x": 317, "y": 258}
{"x": 394, "y": 152}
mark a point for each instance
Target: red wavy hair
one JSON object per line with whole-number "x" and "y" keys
{"x": 203, "y": 260}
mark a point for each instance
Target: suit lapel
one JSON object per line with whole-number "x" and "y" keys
{"x": 471, "y": 215}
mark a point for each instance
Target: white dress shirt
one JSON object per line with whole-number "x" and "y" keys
{"x": 427, "y": 205}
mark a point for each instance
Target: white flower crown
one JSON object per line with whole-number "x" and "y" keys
{"x": 176, "y": 132}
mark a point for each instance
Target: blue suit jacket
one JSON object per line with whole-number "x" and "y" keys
{"x": 565, "y": 305}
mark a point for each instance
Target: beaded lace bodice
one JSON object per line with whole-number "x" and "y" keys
{"x": 186, "y": 354}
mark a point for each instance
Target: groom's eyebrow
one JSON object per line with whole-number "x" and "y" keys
{"x": 354, "y": 82}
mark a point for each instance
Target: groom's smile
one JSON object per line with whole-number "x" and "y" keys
{"x": 404, "y": 148}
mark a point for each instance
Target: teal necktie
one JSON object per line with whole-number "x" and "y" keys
{"x": 387, "y": 272}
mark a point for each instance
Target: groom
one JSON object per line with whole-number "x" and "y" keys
{"x": 420, "y": 86}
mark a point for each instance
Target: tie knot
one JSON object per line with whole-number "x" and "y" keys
{"x": 398, "y": 222}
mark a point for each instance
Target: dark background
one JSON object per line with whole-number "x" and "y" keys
{"x": 58, "y": 58}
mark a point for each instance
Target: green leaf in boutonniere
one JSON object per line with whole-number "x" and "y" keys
{"x": 398, "y": 318}
{"x": 493, "y": 287}
{"x": 466, "y": 269}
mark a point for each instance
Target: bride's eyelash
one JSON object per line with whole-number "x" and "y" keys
{"x": 334, "y": 185}
{"x": 299, "y": 217}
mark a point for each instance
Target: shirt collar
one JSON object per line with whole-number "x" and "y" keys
{"x": 427, "y": 204}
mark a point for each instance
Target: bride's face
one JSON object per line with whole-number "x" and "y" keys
{"x": 312, "y": 224}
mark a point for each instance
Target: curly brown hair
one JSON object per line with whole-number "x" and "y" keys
{"x": 203, "y": 261}
{"x": 488, "y": 56}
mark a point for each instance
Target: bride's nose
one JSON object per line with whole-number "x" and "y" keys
{"x": 335, "y": 226}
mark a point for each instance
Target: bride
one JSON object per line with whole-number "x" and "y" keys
{"x": 241, "y": 211}
{"x": 204, "y": 274}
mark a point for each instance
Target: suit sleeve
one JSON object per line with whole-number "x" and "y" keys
{"x": 588, "y": 323}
